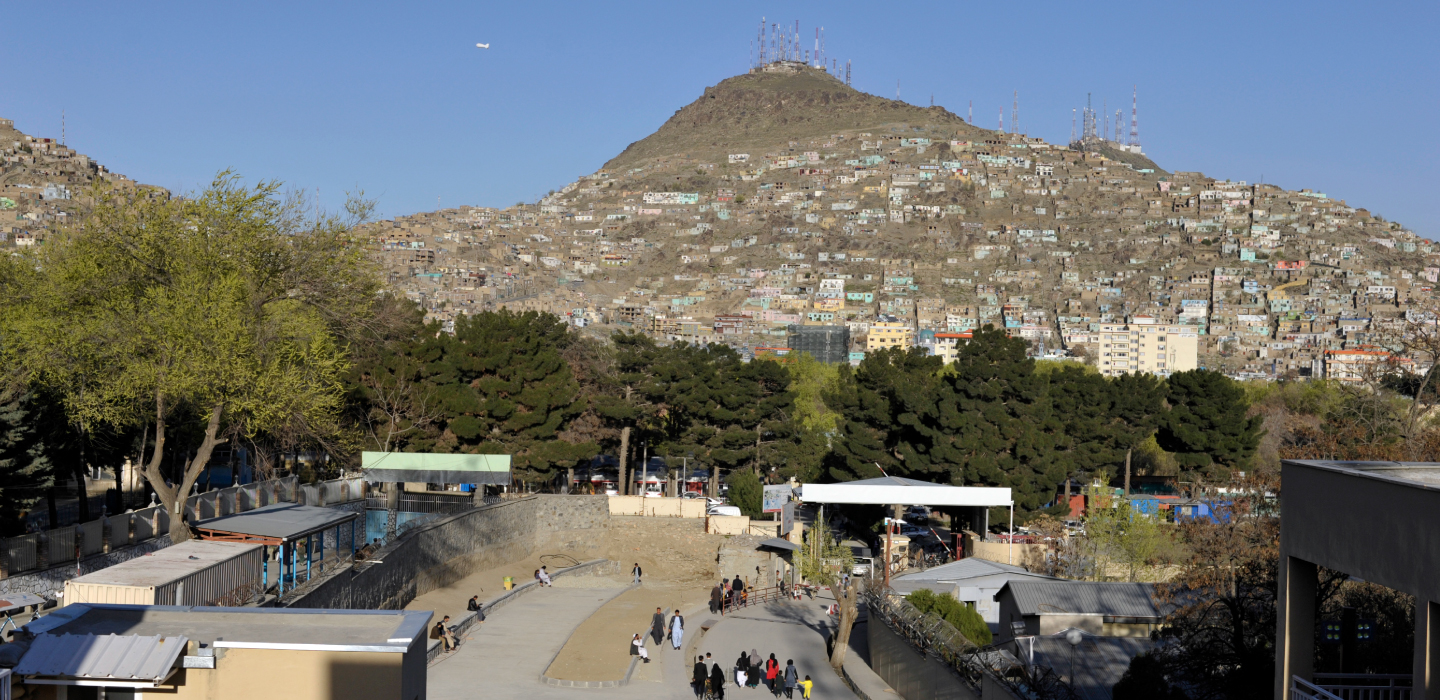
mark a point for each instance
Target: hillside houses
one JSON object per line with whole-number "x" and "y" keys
{"x": 910, "y": 232}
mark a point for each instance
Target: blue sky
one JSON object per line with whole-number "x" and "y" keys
{"x": 396, "y": 100}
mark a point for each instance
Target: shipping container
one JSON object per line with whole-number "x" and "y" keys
{"x": 190, "y": 573}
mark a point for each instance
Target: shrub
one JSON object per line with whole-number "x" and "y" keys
{"x": 961, "y": 616}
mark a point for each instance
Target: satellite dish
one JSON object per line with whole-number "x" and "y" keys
{"x": 482, "y": 46}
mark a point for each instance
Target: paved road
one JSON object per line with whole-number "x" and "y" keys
{"x": 507, "y": 655}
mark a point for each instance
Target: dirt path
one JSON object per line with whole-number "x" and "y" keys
{"x": 599, "y": 649}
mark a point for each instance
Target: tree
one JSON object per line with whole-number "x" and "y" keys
{"x": 25, "y": 469}
{"x": 226, "y": 312}
{"x": 388, "y": 395}
{"x": 1125, "y": 537}
{"x": 745, "y": 492}
{"x": 1145, "y": 680}
{"x": 960, "y": 616}
{"x": 503, "y": 387}
{"x": 1207, "y": 427}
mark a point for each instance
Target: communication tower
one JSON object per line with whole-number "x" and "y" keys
{"x": 1135, "y": 117}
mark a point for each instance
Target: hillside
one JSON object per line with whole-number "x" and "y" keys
{"x": 785, "y": 197}
{"x": 769, "y": 108}
{"x": 38, "y": 179}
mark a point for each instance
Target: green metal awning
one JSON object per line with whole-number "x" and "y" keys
{"x": 429, "y": 467}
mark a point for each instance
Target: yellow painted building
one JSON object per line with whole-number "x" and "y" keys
{"x": 1146, "y": 348}
{"x": 889, "y": 335}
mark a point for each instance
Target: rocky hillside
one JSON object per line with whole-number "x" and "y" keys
{"x": 769, "y": 108}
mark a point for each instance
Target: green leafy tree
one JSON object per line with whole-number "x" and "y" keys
{"x": 1207, "y": 427}
{"x": 960, "y": 616}
{"x": 745, "y": 492}
{"x": 1125, "y": 538}
{"x": 223, "y": 314}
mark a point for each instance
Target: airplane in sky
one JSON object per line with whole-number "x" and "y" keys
{"x": 482, "y": 46}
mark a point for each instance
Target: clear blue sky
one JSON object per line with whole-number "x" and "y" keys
{"x": 394, "y": 98}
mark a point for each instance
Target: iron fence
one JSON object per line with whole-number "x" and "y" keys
{"x": 933, "y": 636}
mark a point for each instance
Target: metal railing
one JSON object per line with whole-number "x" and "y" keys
{"x": 933, "y": 636}
{"x": 1301, "y": 689}
{"x": 107, "y": 532}
{"x": 1366, "y": 686}
{"x": 752, "y": 596}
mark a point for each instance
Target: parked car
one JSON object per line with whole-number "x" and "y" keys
{"x": 692, "y": 495}
{"x": 723, "y": 510}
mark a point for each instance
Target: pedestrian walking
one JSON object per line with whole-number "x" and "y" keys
{"x": 717, "y": 681}
{"x": 636, "y": 571}
{"x": 637, "y": 648}
{"x": 742, "y": 669}
{"x": 772, "y": 671}
{"x": 756, "y": 669}
{"x": 805, "y": 686}
{"x": 657, "y": 626}
{"x": 677, "y": 629}
{"x": 792, "y": 678}
{"x": 699, "y": 676}
{"x": 717, "y": 599}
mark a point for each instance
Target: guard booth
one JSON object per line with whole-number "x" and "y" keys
{"x": 394, "y": 469}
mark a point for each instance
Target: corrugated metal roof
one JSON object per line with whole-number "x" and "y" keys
{"x": 281, "y": 521}
{"x": 109, "y": 656}
{"x": 1084, "y": 598}
{"x": 163, "y": 566}
{"x": 963, "y": 569}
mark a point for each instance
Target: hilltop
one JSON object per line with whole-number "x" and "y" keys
{"x": 38, "y": 178}
{"x": 771, "y": 107}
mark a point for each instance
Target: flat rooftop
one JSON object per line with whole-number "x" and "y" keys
{"x": 277, "y": 521}
{"x": 241, "y": 627}
{"x": 167, "y": 565}
{"x": 1417, "y": 474}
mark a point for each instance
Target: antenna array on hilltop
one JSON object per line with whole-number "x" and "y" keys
{"x": 1095, "y": 128}
{"x": 779, "y": 48}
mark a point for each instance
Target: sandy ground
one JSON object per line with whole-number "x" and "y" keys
{"x": 599, "y": 649}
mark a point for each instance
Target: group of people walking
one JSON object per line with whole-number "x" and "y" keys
{"x": 659, "y": 631}
{"x": 749, "y": 672}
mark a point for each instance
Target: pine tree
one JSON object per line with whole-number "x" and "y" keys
{"x": 25, "y": 469}
{"x": 505, "y": 389}
{"x": 1207, "y": 426}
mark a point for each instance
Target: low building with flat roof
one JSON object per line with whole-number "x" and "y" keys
{"x": 1376, "y": 521}
{"x": 206, "y": 653}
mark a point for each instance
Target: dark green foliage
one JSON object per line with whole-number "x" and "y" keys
{"x": 505, "y": 389}
{"x": 25, "y": 468}
{"x": 985, "y": 420}
{"x": 961, "y": 616}
{"x": 703, "y": 401}
{"x": 745, "y": 492}
{"x": 1145, "y": 680}
{"x": 1207, "y": 426}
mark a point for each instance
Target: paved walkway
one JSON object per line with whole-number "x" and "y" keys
{"x": 506, "y": 656}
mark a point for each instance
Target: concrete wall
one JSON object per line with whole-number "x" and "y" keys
{"x": 727, "y": 525}
{"x": 1001, "y": 553}
{"x": 440, "y": 553}
{"x": 910, "y": 673}
{"x": 657, "y": 507}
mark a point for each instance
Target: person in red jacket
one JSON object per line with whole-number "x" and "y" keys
{"x": 772, "y": 671}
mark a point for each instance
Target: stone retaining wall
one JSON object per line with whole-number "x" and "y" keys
{"x": 442, "y": 552}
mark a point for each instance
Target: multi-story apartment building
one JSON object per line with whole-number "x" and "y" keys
{"x": 889, "y": 334}
{"x": 1144, "y": 346}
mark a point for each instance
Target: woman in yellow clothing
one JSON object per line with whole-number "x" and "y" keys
{"x": 805, "y": 686}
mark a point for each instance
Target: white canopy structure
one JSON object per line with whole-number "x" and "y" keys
{"x": 894, "y": 490}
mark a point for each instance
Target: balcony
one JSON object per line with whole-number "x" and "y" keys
{"x": 1352, "y": 686}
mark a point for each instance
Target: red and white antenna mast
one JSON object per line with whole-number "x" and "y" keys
{"x": 1135, "y": 117}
